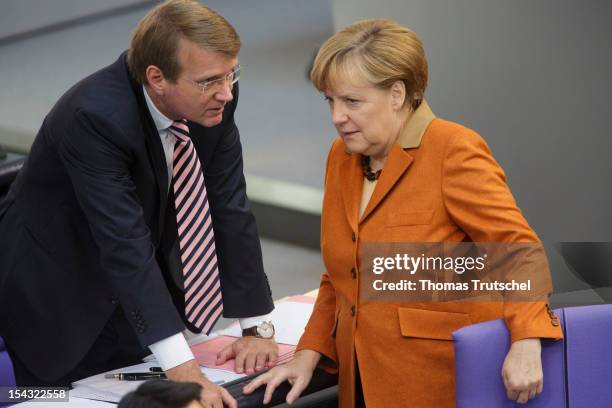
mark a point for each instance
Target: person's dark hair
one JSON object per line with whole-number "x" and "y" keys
{"x": 162, "y": 394}
{"x": 157, "y": 37}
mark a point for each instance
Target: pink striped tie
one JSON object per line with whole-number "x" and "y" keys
{"x": 203, "y": 304}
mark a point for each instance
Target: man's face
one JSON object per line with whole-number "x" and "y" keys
{"x": 185, "y": 99}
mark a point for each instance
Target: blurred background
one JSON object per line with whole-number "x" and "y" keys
{"x": 533, "y": 78}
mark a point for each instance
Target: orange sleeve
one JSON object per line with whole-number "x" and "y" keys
{"x": 319, "y": 332}
{"x": 479, "y": 201}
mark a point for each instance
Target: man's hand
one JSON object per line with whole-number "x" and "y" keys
{"x": 522, "y": 370}
{"x": 212, "y": 396}
{"x": 251, "y": 353}
{"x": 298, "y": 372}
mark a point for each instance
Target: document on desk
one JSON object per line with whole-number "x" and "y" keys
{"x": 206, "y": 352}
{"x": 289, "y": 317}
{"x": 99, "y": 388}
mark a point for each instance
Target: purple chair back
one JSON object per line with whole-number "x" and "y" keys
{"x": 577, "y": 370}
{"x": 588, "y": 339}
{"x": 480, "y": 350}
{"x": 7, "y": 377}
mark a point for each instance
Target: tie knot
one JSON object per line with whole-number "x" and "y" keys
{"x": 180, "y": 130}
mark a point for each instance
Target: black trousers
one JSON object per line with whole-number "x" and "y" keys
{"x": 116, "y": 346}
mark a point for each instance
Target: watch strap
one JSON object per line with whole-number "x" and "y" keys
{"x": 250, "y": 331}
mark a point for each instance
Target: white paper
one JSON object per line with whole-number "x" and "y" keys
{"x": 215, "y": 374}
{"x": 103, "y": 389}
{"x": 73, "y": 402}
{"x": 91, "y": 393}
{"x": 289, "y": 319}
{"x": 112, "y": 390}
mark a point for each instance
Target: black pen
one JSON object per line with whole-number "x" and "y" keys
{"x": 156, "y": 372}
{"x": 135, "y": 376}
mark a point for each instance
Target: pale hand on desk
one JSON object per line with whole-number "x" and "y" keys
{"x": 213, "y": 396}
{"x": 298, "y": 372}
{"x": 251, "y": 354}
{"x": 522, "y": 370}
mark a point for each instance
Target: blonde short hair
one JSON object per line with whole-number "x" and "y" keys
{"x": 155, "y": 40}
{"x": 379, "y": 51}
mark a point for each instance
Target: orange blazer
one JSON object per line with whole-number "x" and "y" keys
{"x": 440, "y": 183}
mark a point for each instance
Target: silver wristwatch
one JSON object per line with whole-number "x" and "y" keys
{"x": 264, "y": 330}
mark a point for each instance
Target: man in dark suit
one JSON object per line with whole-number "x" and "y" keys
{"x": 130, "y": 217}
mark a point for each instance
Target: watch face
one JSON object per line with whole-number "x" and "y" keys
{"x": 265, "y": 330}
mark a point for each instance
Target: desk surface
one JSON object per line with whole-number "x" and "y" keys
{"x": 320, "y": 381}
{"x": 73, "y": 403}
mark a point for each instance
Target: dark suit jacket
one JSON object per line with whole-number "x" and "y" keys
{"x": 88, "y": 226}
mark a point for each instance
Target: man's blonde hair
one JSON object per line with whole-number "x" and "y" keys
{"x": 155, "y": 40}
{"x": 379, "y": 51}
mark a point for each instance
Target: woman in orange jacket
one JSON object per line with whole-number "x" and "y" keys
{"x": 399, "y": 174}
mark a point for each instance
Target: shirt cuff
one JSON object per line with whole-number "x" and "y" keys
{"x": 171, "y": 351}
{"x": 247, "y": 322}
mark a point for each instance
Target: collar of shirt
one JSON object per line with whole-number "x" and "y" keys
{"x": 413, "y": 130}
{"x": 162, "y": 123}
{"x": 410, "y": 136}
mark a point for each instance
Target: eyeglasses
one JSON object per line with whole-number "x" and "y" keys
{"x": 214, "y": 85}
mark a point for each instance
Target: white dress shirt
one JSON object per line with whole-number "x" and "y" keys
{"x": 174, "y": 350}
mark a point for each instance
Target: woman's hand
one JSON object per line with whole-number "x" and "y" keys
{"x": 297, "y": 372}
{"x": 522, "y": 370}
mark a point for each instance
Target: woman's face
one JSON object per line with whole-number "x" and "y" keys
{"x": 367, "y": 118}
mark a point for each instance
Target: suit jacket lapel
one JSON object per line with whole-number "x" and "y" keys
{"x": 166, "y": 219}
{"x": 158, "y": 161}
{"x": 396, "y": 165}
{"x": 156, "y": 155}
{"x": 351, "y": 190}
